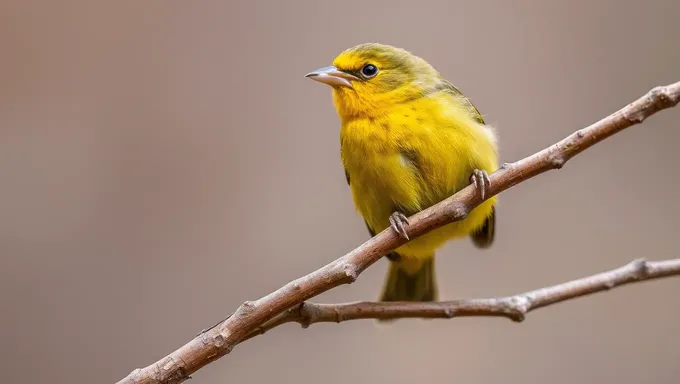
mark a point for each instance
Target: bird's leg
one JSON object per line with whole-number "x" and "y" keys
{"x": 481, "y": 181}
{"x": 397, "y": 221}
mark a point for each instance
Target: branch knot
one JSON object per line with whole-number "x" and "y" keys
{"x": 640, "y": 269}
{"x": 350, "y": 271}
{"x": 663, "y": 98}
{"x": 516, "y": 307}
{"x": 457, "y": 212}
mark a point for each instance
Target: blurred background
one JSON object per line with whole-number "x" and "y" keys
{"x": 163, "y": 161}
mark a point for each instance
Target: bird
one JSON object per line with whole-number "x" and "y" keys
{"x": 408, "y": 140}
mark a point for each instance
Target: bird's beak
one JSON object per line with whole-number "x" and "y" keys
{"x": 332, "y": 76}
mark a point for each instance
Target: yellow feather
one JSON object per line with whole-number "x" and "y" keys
{"x": 448, "y": 145}
{"x": 408, "y": 141}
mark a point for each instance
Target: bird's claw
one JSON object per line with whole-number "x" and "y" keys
{"x": 397, "y": 222}
{"x": 481, "y": 181}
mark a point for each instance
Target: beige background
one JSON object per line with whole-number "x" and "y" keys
{"x": 163, "y": 161}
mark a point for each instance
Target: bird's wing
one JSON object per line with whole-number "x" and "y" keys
{"x": 482, "y": 237}
{"x": 450, "y": 88}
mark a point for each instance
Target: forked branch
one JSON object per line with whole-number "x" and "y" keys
{"x": 514, "y": 307}
{"x": 251, "y": 316}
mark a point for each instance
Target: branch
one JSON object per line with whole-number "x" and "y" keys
{"x": 219, "y": 340}
{"x": 514, "y": 307}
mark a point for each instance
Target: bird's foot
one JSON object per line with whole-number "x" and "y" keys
{"x": 398, "y": 221}
{"x": 481, "y": 181}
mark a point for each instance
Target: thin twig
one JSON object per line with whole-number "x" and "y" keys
{"x": 514, "y": 307}
{"x": 218, "y": 341}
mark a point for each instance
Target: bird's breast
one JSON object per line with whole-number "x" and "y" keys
{"x": 384, "y": 174}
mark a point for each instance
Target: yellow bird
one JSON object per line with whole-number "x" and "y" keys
{"x": 408, "y": 140}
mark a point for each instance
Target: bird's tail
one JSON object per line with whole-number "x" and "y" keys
{"x": 401, "y": 285}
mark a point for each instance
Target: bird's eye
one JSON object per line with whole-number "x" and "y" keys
{"x": 369, "y": 70}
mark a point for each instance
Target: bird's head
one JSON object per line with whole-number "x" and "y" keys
{"x": 370, "y": 78}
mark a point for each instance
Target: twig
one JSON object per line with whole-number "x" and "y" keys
{"x": 514, "y": 307}
{"x": 218, "y": 341}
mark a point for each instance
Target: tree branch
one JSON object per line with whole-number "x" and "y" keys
{"x": 514, "y": 307}
{"x": 250, "y": 316}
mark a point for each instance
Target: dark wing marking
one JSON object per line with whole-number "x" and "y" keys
{"x": 483, "y": 237}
